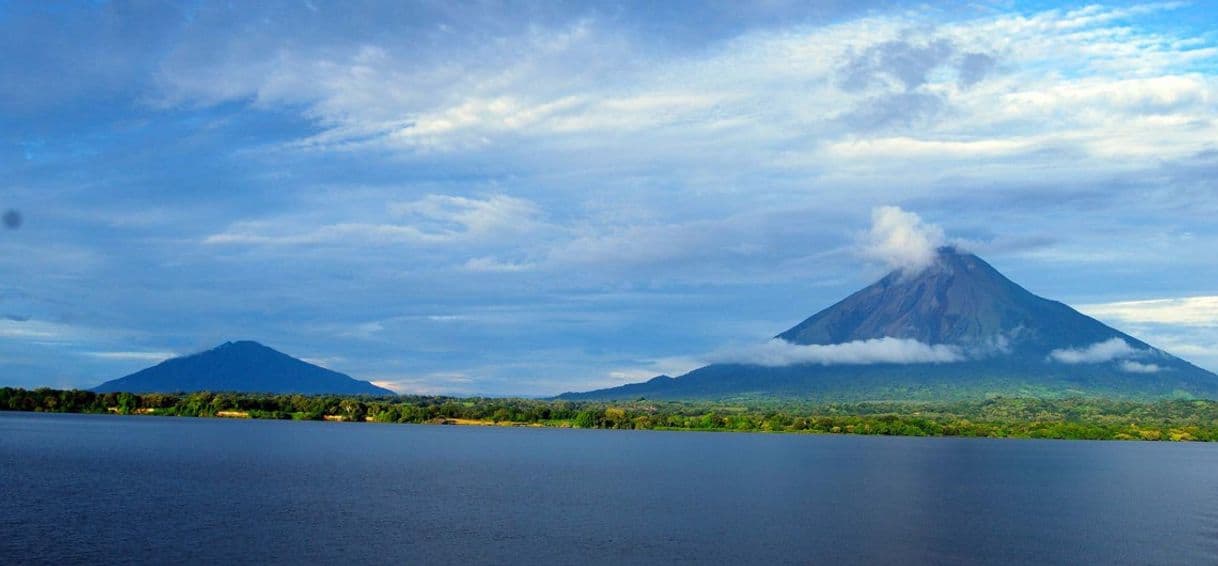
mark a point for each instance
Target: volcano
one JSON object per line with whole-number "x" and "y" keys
{"x": 243, "y": 366}
{"x": 989, "y": 336}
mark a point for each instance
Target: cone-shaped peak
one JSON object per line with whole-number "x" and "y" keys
{"x": 960, "y": 300}
{"x": 243, "y": 365}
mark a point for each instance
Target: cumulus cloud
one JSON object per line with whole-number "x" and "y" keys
{"x": 887, "y": 350}
{"x": 1100, "y": 352}
{"x": 902, "y": 240}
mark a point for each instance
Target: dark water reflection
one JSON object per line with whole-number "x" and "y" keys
{"x": 102, "y": 488}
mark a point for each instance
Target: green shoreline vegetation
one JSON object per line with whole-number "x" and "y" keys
{"x": 1076, "y": 418}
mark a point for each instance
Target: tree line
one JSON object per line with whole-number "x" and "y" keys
{"x": 1099, "y": 419}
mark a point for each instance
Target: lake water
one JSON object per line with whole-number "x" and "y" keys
{"x": 76, "y": 488}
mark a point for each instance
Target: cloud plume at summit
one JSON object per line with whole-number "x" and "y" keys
{"x": 902, "y": 240}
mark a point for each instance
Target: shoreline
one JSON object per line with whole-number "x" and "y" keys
{"x": 463, "y": 422}
{"x": 995, "y": 417}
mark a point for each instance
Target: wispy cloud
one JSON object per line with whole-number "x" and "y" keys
{"x": 1100, "y": 352}
{"x": 133, "y": 356}
{"x": 1199, "y": 311}
{"x": 436, "y": 383}
{"x": 1131, "y": 366}
{"x": 36, "y": 330}
{"x": 434, "y": 219}
{"x": 978, "y": 81}
{"x": 492, "y": 265}
{"x": 886, "y": 350}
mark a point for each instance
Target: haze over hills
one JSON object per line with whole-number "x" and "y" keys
{"x": 242, "y": 366}
{"x": 956, "y": 328}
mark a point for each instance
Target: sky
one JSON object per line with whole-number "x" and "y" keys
{"x": 517, "y": 198}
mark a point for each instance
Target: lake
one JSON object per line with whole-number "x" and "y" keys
{"x": 97, "y": 488}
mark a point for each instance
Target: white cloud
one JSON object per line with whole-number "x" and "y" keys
{"x": 1131, "y": 366}
{"x": 1083, "y": 78}
{"x": 449, "y": 217}
{"x": 1187, "y": 311}
{"x": 1198, "y": 345}
{"x": 1106, "y": 351}
{"x": 32, "y": 330}
{"x": 1076, "y": 96}
{"x": 435, "y": 383}
{"x": 431, "y": 220}
{"x": 902, "y": 240}
{"x": 492, "y": 265}
{"x": 887, "y": 350}
{"x": 133, "y": 356}
{"x": 671, "y": 366}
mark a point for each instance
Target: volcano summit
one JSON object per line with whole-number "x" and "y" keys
{"x": 955, "y": 329}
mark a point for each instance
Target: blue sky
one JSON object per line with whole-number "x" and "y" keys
{"x": 530, "y": 198}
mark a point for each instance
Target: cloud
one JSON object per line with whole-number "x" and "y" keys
{"x": 893, "y": 77}
{"x": 1185, "y": 326}
{"x": 36, "y": 330}
{"x": 902, "y": 240}
{"x": 647, "y": 369}
{"x": 1131, "y": 366}
{"x": 901, "y": 109}
{"x": 492, "y": 265}
{"x": 887, "y": 350}
{"x": 586, "y": 85}
{"x": 902, "y": 63}
{"x": 1198, "y": 345}
{"x": 133, "y": 356}
{"x": 1199, "y": 311}
{"x": 449, "y": 217}
{"x": 436, "y": 383}
{"x": 431, "y": 220}
{"x": 974, "y": 67}
{"x": 1106, "y": 351}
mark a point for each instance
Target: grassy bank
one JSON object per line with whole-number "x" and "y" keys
{"x": 1097, "y": 419}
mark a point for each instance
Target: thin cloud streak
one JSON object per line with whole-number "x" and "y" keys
{"x": 1186, "y": 311}
{"x": 1100, "y": 352}
{"x": 778, "y": 352}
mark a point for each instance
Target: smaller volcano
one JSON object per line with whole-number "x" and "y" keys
{"x": 244, "y": 366}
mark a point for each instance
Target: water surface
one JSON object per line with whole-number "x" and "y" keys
{"x": 106, "y": 488}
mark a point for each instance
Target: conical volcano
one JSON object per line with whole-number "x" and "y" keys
{"x": 999, "y": 339}
{"x": 959, "y": 300}
{"x": 242, "y": 366}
